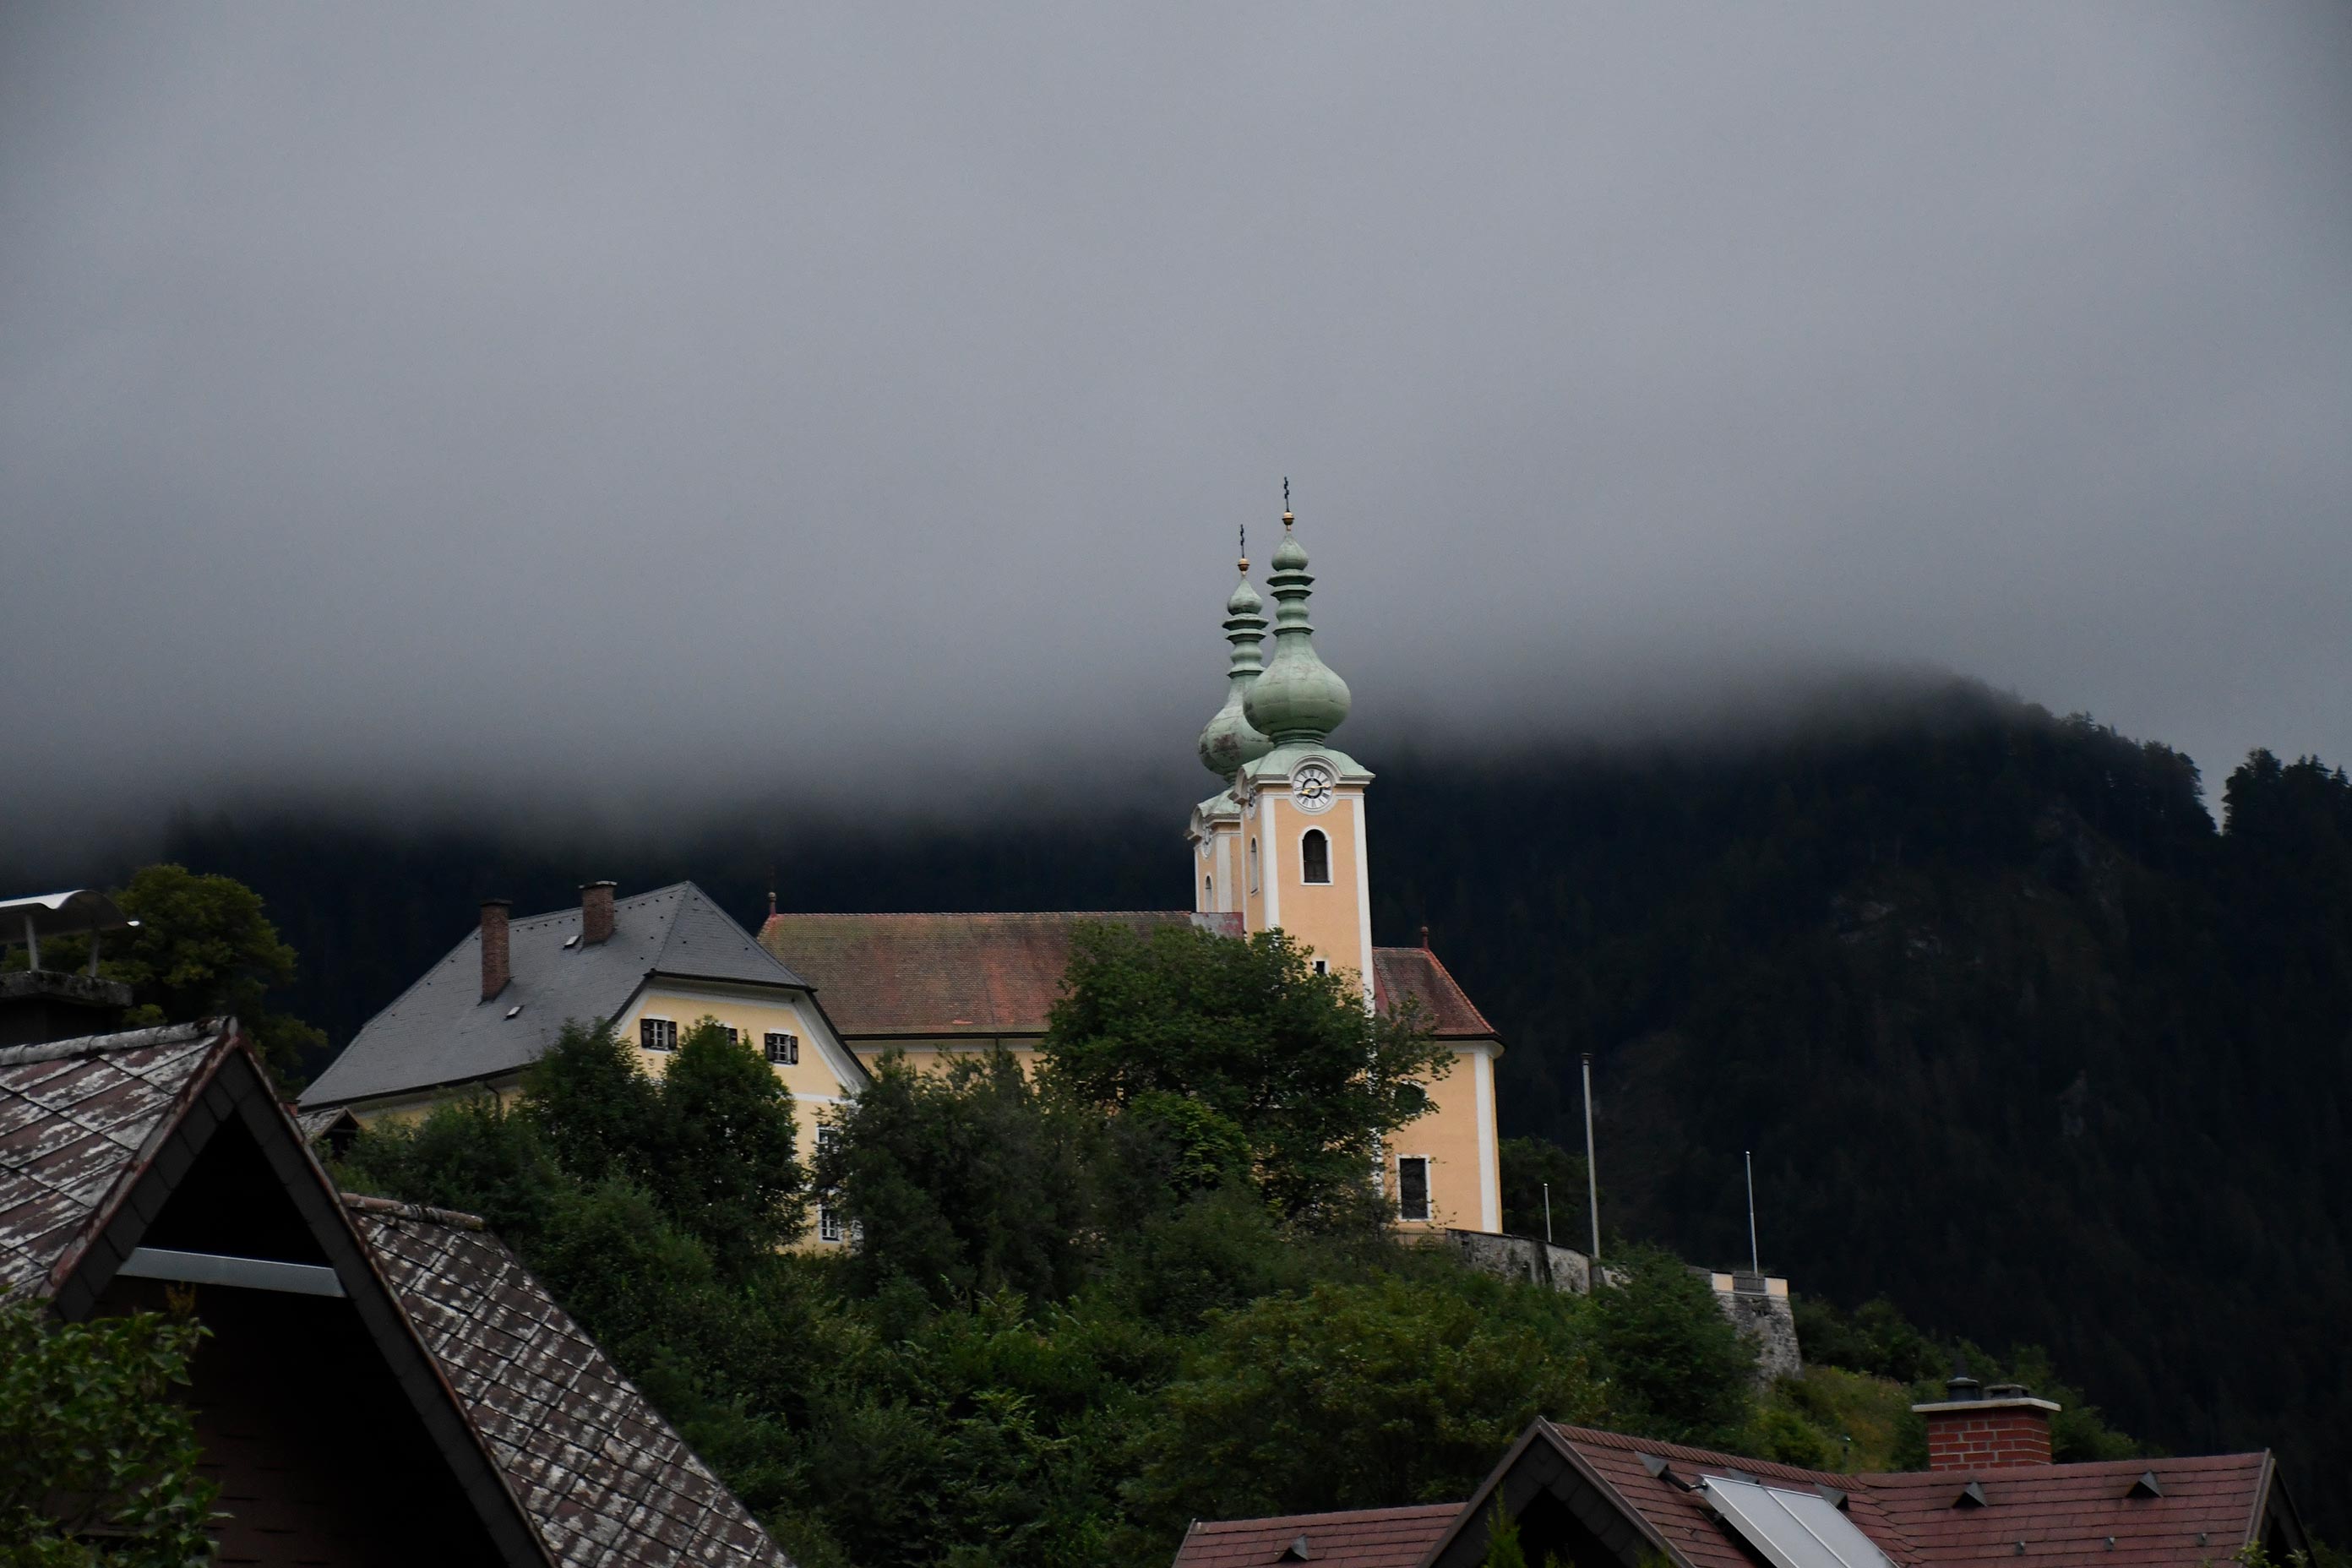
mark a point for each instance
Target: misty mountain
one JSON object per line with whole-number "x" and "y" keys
{"x": 2019, "y": 1036}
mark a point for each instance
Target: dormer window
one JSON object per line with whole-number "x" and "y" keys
{"x": 1315, "y": 855}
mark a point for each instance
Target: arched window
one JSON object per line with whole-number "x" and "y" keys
{"x": 1208, "y": 890}
{"x": 1315, "y": 855}
{"x": 1253, "y": 866}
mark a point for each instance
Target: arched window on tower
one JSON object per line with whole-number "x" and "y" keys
{"x": 1253, "y": 866}
{"x": 1315, "y": 855}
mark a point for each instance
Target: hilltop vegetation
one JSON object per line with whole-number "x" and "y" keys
{"x": 2023, "y": 1040}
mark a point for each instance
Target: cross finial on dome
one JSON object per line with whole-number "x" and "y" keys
{"x": 1286, "y": 519}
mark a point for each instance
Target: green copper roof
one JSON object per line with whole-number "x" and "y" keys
{"x": 1228, "y": 740}
{"x": 1298, "y": 698}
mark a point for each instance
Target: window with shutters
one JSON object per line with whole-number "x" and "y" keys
{"x": 784, "y": 1050}
{"x": 657, "y": 1034}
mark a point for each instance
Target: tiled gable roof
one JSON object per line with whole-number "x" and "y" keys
{"x": 1416, "y": 971}
{"x": 605, "y": 1479}
{"x": 1366, "y": 1538}
{"x": 2063, "y": 1515}
{"x": 73, "y": 1117}
{"x": 916, "y": 975}
{"x": 440, "y": 1031}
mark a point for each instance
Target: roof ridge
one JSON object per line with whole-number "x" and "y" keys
{"x": 456, "y": 1218}
{"x": 120, "y": 1040}
{"x": 968, "y": 914}
{"x": 1286, "y": 1520}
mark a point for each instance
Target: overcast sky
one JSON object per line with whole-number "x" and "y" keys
{"x": 403, "y": 400}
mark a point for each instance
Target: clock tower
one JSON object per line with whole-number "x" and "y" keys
{"x": 1284, "y": 844}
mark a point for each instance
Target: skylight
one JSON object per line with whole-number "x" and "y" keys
{"x": 1792, "y": 1529}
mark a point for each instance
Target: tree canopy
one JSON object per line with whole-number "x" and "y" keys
{"x": 1241, "y": 1052}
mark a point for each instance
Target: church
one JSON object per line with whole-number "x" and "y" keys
{"x": 1284, "y": 843}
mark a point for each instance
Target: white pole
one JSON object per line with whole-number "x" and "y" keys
{"x": 1592, "y": 1170}
{"x": 1755, "y": 1258}
{"x": 1547, "y": 1187}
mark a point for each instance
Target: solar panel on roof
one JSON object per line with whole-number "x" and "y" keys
{"x": 1791, "y": 1528}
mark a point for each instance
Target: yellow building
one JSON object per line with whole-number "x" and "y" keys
{"x": 1284, "y": 844}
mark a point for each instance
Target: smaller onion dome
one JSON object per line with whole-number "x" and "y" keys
{"x": 1228, "y": 740}
{"x": 1298, "y": 698}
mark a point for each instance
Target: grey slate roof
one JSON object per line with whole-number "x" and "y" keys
{"x": 74, "y": 1114}
{"x": 605, "y": 1479}
{"x": 440, "y": 1031}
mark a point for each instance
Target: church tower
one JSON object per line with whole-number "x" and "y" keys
{"x": 1284, "y": 844}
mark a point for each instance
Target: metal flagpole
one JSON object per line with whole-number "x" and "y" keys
{"x": 1755, "y": 1258}
{"x": 1592, "y": 1170}
{"x": 1547, "y": 1186}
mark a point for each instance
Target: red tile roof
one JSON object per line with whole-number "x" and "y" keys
{"x": 2064, "y": 1514}
{"x": 926, "y": 974}
{"x": 923, "y": 975}
{"x": 1414, "y": 972}
{"x": 1368, "y": 1538}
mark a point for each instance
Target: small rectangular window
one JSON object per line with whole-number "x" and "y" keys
{"x": 1413, "y": 1188}
{"x": 828, "y": 1223}
{"x": 784, "y": 1050}
{"x": 734, "y": 1036}
{"x": 1322, "y": 966}
{"x": 657, "y": 1034}
{"x": 826, "y": 1139}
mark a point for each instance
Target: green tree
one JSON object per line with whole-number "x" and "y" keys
{"x": 98, "y": 1461}
{"x": 1677, "y": 1368}
{"x": 473, "y": 1154}
{"x": 725, "y": 1168}
{"x": 1287, "y": 1060}
{"x": 597, "y": 1111}
{"x": 203, "y": 948}
{"x": 961, "y": 1181}
{"x": 1369, "y": 1395}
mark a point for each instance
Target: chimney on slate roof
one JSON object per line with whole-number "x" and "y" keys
{"x": 596, "y": 912}
{"x": 1987, "y": 1429}
{"x": 496, "y": 972}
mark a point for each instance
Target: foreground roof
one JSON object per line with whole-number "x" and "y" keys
{"x": 606, "y": 1479}
{"x": 1366, "y": 1538}
{"x": 440, "y": 1031}
{"x": 1638, "y": 1497}
{"x": 95, "y": 1133}
{"x": 75, "y": 1115}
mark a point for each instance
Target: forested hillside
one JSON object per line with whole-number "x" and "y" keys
{"x": 2020, "y": 1037}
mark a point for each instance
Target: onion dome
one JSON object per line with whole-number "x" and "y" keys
{"x": 1298, "y": 698}
{"x": 1228, "y": 740}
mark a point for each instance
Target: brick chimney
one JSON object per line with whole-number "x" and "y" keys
{"x": 496, "y": 972}
{"x": 1987, "y": 1428}
{"x": 596, "y": 912}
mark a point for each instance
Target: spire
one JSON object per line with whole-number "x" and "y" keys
{"x": 1228, "y": 740}
{"x": 1298, "y": 698}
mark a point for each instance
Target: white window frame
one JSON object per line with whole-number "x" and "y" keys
{"x": 1322, "y": 966}
{"x": 1428, "y": 1193}
{"x": 657, "y": 1034}
{"x": 734, "y": 1035}
{"x": 1324, "y": 880}
{"x": 828, "y": 1223}
{"x": 781, "y": 1049}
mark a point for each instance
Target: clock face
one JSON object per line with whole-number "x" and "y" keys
{"x": 1310, "y": 787}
